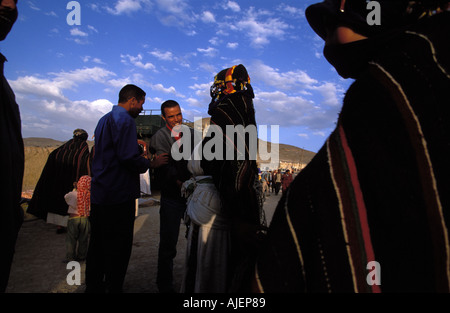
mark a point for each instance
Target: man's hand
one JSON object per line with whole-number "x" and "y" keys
{"x": 159, "y": 160}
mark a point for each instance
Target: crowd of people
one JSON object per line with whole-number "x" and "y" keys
{"x": 376, "y": 192}
{"x": 273, "y": 181}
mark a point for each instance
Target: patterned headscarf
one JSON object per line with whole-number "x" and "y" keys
{"x": 229, "y": 81}
{"x": 84, "y": 195}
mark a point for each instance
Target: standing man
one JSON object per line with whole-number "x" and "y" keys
{"x": 277, "y": 181}
{"x": 115, "y": 187}
{"x": 265, "y": 184}
{"x": 269, "y": 177}
{"x": 286, "y": 180}
{"x": 170, "y": 176}
{"x": 11, "y": 158}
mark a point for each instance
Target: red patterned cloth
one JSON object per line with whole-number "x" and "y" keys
{"x": 84, "y": 195}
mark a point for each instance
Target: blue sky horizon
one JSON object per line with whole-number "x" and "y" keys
{"x": 68, "y": 76}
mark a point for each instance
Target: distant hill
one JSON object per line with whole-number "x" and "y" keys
{"x": 287, "y": 153}
{"x": 46, "y": 142}
{"x": 37, "y": 151}
{"x": 41, "y": 142}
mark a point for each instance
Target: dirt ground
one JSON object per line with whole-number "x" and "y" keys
{"x": 38, "y": 261}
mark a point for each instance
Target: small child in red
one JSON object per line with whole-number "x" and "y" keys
{"x": 78, "y": 226}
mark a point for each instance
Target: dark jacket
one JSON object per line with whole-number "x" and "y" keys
{"x": 12, "y": 169}
{"x": 176, "y": 170}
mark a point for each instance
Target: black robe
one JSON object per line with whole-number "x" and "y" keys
{"x": 237, "y": 179}
{"x": 371, "y": 211}
{"x": 64, "y": 166}
{"x": 12, "y": 168}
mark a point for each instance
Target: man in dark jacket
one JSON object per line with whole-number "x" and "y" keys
{"x": 170, "y": 177}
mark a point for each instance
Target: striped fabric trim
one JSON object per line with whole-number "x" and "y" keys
{"x": 341, "y": 211}
{"x": 294, "y": 235}
{"x": 429, "y": 184}
{"x": 353, "y": 211}
{"x": 433, "y": 51}
{"x": 296, "y": 243}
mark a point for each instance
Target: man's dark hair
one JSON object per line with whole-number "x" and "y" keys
{"x": 168, "y": 104}
{"x": 130, "y": 91}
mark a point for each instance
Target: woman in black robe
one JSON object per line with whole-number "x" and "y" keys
{"x": 236, "y": 177}
{"x": 64, "y": 166}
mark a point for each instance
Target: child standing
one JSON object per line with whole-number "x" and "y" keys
{"x": 78, "y": 227}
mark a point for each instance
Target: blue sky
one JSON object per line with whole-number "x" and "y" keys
{"x": 68, "y": 76}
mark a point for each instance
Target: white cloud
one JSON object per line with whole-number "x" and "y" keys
{"x": 176, "y": 13}
{"x": 259, "y": 31}
{"x": 167, "y": 90}
{"x": 202, "y": 95}
{"x": 210, "y": 51}
{"x": 320, "y": 133}
{"x": 291, "y": 10}
{"x": 194, "y": 102}
{"x": 215, "y": 41}
{"x": 33, "y": 6}
{"x": 53, "y": 119}
{"x": 52, "y": 88}
{"x": 96, "y": 74}
{"x": 126, "y": 7}
{"x": 102, "y": 105}
{"x": 208, "y": 17}
{"x": 118, "y": 83}
{"x": 92, "y": 28}
{"x": 293, "y": 98}
{"x": 233, "y": 6}
{"x": 88, "y": 58}
{"x": 165, "y": 56}
{"x": 329, "y": 91}
{"x": 97, "y": 60}
{"x": 279, "y": 108}
{"x": 295, "y": 79}
{"x": 137, "y": 61}
{"x": 51, "y": 13}
{"x": 77, "y": 32}
{"x": 39, "y": 87}
{"x": 48, "y": 112}
{"x": 177, "y": 7}
{"x": 306, "y": 136}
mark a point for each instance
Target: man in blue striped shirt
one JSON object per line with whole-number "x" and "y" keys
{"x": 116, "y": 166}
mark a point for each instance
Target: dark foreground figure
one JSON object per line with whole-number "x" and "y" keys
{"x": 11, "y": 157}
{"x": 379, "y": 189}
